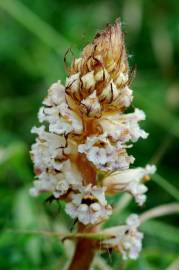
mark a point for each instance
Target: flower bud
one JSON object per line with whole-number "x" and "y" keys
{"x": 103, "y": 69}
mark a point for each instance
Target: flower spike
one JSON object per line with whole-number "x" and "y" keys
{"x": 86, "y": 133}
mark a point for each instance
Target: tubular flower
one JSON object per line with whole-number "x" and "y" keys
{"x": 125, "y": 239}
{"x": 89, "y": 205}
{"x": 105, "y": 155}
{"x": 86, "y": 133}
{"x": 131, "y": 180}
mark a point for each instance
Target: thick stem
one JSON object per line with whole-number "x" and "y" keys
{"x": 85, "y": 248}
{"x": 83, "y": 255}
{"x": 84, "y": 251}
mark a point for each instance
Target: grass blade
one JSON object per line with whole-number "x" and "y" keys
{"x": 35, "y": 24}
{"x": 172, "y": 190}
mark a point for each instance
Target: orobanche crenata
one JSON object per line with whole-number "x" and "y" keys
{"x": 81, "y": 151}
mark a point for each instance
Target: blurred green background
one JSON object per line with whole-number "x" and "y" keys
{"x": 34, "y": 36}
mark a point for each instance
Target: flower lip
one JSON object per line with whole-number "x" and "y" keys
{"x": 89, "y": 205}
{"x": 89, "y": 200}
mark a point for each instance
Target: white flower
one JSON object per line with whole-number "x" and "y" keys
{"x": 58, "y": 182}
{"x": 104, "y": 155}
{"x": 61, "y": 119}
{"x": 89, "y": 205}
{"x": 123, "y": 127}
{"x": 71, "y": 179}
{"x": 131, "y": 181}
{"x": 56, "y": 95}
{"x": 48, "y": 182}
{"x": 91, "y": 105}
{"x": 131, "y": 120}
{"x": 97, "y": 155}
{"x": 61, "y": 188}
{"x": 126, "y": 239}
{"x": 47, "y": 150}
{"x": 91, "y": 141}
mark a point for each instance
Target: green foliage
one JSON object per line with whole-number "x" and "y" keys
{"x": 34, "y": 36}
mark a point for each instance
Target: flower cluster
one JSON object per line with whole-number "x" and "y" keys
{"x": 126, "y": 239}
{"x": 86, "y": 133}
{"x": 89, "y": 205}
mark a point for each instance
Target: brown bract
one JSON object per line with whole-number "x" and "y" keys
{"x": 103, "y": 69}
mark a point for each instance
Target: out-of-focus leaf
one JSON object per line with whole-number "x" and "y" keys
{"x": 166, "y": 185}
{"x": 23, "y": 207}
{"x": 33, "y": 23}
{"x": 159, "y": 115}
{"x": 13, "y": 160}
{"x": 161, "y": 230}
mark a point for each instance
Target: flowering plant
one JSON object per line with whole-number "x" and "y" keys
{"x": 81, "y": 152}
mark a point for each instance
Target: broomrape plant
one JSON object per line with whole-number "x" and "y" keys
{"x": 81, "y": 150}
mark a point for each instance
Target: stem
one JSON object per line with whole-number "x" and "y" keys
{"x": 83, "y": 255}
{"x": 174, "y": 265}
{"x": 159, "y": 211}
{"x": 85, "y": 248}
{"x": 84, "y": 251}
{"x": 159, "y": 154}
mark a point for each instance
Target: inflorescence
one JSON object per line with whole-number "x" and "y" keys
{"x": 81, "y": 150}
